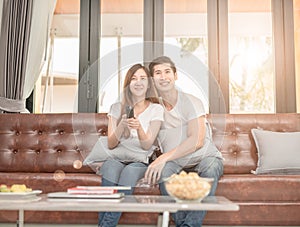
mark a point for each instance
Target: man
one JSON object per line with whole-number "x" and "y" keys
{"x": 185, "y": 138}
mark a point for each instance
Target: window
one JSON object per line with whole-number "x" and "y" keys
{"x": 185, "y": 38}
{"x": 246, "y": 45}
{"x": 251, "y": 57}
{"x": 57, "y": 88}
{"x": 121, "y": 46}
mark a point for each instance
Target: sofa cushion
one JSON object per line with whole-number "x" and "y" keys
{"x": 127, "y": 151}
{"x": 259, "y": 188}
{"x": 51, "y": 182}
{"x": 278, "y": 152}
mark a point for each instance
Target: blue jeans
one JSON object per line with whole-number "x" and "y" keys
{"x": 211, "y": 167}
{"x": 117, "y": 173}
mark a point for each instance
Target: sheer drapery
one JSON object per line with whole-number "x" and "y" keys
{"x": 1, "y": 3}
{"x": 40, "y": 32}
{"x": 14, "y": 40}
{"x": 24, "y": 35}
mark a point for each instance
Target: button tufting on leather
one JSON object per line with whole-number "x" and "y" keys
{"x": 61, "y": 132}
{"x": 38, "y": 151}
{"x": 15, "y": 151}
{"x": 59, "y": 151}
{"x": 17, "y": 133}
{"x": 40, "y": 132}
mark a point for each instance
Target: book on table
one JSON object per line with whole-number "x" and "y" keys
{"x": 91, "y": 192}
{"x": 99, "y": 190}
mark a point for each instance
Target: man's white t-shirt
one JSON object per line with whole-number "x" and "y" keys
{"x": 188, "y": 107}
{"x": 174, "y": 129}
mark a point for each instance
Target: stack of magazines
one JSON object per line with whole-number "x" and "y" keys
{"x": 91, "y": 192}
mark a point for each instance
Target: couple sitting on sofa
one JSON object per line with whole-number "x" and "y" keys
{"x": 164, "y": 114}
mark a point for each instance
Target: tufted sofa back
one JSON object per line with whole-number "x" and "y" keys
{"x": 48, "y": 142}
{"x": 232, "y": 135}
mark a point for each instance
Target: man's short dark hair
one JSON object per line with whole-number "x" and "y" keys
{"x": 161, "y": 60}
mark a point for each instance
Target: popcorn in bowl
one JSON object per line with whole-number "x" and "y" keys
{"x": 188, "y": 186}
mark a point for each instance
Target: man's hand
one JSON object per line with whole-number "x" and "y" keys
{"x": 154, "y": 170}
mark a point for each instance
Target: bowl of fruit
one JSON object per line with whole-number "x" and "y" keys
{"x": 17, "y": 188}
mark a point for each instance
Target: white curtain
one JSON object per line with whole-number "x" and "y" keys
{"x": 40, "y": 28}
{"x": 24, "y": 32}
{"x": 1, "y": 4}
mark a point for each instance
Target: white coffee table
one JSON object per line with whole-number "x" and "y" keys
{"x": 138, "y": 203}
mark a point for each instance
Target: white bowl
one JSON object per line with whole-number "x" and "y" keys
{"x": 188, "y": 187}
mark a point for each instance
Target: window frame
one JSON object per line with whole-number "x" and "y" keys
{"x": 217, "y": 12}
{"x": 285, "y": 74}
{"x": 88, "y": 56}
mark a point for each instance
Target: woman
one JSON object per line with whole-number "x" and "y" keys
{"x": 138, "y": 93}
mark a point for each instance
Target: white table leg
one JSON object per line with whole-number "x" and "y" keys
{"x": 165, "y": 219}
{"x": 21, "y": 218}
{"x": 159, "y": 220}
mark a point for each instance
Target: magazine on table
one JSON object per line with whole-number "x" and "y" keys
{"x": 98, "y": 190}
{"x": 85, "y": 197}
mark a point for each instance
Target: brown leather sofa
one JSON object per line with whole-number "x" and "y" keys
{"x": 45, "y": 151}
